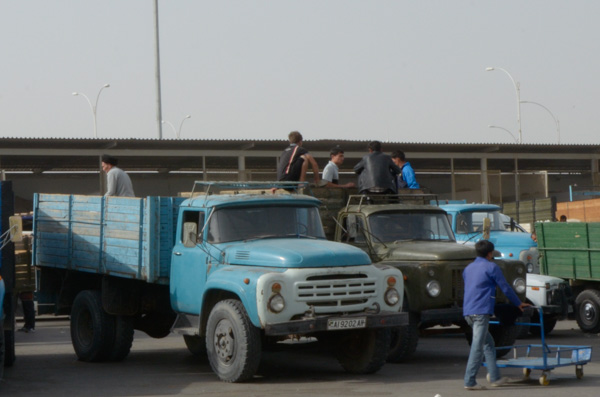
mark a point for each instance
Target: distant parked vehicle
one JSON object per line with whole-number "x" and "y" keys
{"x": 553, "y": 294}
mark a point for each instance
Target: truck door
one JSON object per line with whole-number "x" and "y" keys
{"x": 188, "y": 264}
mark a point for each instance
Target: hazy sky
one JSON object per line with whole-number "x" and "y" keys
{"x": 404, "y": 71}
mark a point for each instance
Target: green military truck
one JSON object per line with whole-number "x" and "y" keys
{"x": 403, "y": 232}
{"x": 572, "y": 251}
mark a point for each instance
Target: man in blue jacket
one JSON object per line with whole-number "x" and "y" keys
{"x": 481, "y": 278}
{"x": 406, "y": 179}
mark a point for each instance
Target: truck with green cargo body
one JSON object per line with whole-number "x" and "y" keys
{"x": 571, "y": 250}
{"x": 403, "y": 232}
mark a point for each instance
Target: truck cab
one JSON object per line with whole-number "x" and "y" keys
{"x": 417, "y": 239}
{"x": 551, "y": 293}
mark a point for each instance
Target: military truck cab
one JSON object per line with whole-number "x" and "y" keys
{"x": 403, "y": 232}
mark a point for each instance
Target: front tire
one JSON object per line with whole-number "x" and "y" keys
{"x": 233, "y": 344}
{"x": 504, "y": 335}
{"x": 363, "y": 351}
{"x": 404, "y": 340}
{"x": 587, "y": 310}
{"x": 549, "y": 324}
{"x": 92, "y": 329}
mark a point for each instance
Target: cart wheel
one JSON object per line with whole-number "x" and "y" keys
{"x": 526, "y": 373}
{"x": 544, "y": 379}
{"x": 579, "y": 372}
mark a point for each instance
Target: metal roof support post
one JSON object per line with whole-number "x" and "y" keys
{"x": 242, "y": 168}
{"x": 452, "y": 179}
{"x": 517, "y": 186}
{"x": 485, "y": 188}
{"x": 101, "y": 176}
{"x": 595, "y": 173}
{"x": 204, "y": 176}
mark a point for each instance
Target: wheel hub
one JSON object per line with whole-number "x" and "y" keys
{"x": 589, "y": 312}
{"x": 224, "y": 341}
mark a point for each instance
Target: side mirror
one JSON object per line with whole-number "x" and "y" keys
{"x": 190, "y": 234}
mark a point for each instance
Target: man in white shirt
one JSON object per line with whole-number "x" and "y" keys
{"x": 118, "y": 182}
{"x": 331, "y": 171}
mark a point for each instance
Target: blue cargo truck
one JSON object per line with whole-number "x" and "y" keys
{"x": 230, "y": 271}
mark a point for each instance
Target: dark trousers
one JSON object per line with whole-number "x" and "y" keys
{"x": 28, "y": 313}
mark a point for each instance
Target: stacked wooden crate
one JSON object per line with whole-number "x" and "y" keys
{"x": 24, "y": 271}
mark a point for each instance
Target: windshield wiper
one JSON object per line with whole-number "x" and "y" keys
{"x": 268, "y": 236}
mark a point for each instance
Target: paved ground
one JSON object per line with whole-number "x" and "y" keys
{"x": 46, "y": 366}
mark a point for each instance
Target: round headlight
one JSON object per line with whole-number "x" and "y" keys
{"x": 530, "y": 268}
{"x": 519, "y": 285}
{"x": 519, "y": 270}
{"x": 276, "y": 303}
{"x": 391, "y": 296}
{"x": 434, "y": 289}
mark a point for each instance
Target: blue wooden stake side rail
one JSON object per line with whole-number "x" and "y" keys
{"x": 118, "y": 236}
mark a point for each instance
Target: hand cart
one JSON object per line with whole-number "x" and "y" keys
{"x": 552, "y": 356}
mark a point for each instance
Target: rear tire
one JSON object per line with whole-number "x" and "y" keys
{"x": 363, "y": 351}
{"x": 123, "y": 338}
{"x": 195, "y": 344}
{"x": 587, "y": 310}
{"x": 92, "y": 329}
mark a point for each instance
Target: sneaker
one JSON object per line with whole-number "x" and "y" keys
{"x": 475, "y": 387}
{"x": 500, "y": 382}
{"x": 25, "y": 329}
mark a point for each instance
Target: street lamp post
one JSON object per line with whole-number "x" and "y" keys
{"x": 177, "y": 132}
{"x": 552, "y": 115}
{"x": 93, "y": 107}
{"x": 502, "y": 128}
{"x": 517, "y": 89}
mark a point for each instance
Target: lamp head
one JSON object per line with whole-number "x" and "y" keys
{"x": 75, "y": 93}
{"x": 106, "y": 85}
{"x": 489, "y": 69}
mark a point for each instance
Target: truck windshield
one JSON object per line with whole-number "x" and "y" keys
{"x": 247, "y": 223}
{"x": 398, "y": 226}
{"x": 472, "y": 222}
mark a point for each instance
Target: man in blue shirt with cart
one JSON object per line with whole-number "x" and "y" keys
{"x": 481, "y": 278}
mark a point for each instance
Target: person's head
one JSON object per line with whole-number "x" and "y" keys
{"x": 337, "y": 155}
{"x": 398, "y": 157}
{"x": 374, "y": 146}
{"x": 563, "y": 218}
{"x": 295, "y": 137}
{"x": 484, "y": 248}
{"x": 108, "y": 162}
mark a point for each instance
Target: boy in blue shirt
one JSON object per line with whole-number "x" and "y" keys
{"x": 481, "y": 278}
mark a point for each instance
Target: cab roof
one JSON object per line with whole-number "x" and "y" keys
{"x": 470, "y": 207}
{"x": 242, "y": 199}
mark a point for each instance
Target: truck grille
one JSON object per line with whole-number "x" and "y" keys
{"x": 458, "y": 286}
{"x": 336, "y": 290}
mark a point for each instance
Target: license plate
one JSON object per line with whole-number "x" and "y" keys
{"x": 346, "y": 323}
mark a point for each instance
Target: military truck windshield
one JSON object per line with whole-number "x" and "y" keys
{"x": 247, "y": 223}
{"x": 399, "y": 226}
{"x": 472, "y": 222}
